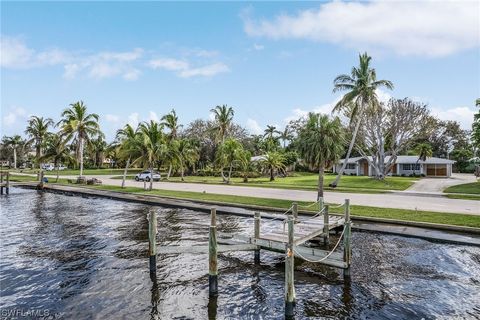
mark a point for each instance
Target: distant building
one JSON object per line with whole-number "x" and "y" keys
{"x": 404, "y": 165}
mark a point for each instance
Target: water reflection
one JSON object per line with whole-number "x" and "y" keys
{"x": 87, "y": 258}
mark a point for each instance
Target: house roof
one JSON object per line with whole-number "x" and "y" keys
{"x": 406, "y": 159}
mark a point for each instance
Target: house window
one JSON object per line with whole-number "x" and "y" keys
{"x": 410, "y": 166}
{"x": 350, "y": 166}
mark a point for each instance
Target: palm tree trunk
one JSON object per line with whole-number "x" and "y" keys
{"x": 350, "y": 147}
{"x": 230, "y": 172}
{"x": 223, "y": 175}
{"x": 321, "y": 172}
{"x": 125, "y": 173}
{"x": 182, "y": 173}
{"x": 81, "y": 155}
{"x": 169, "y": 171}
{"x": 151, "y": 178}
{"x": 14, "y": 158}
{"x": 272, "y": 178}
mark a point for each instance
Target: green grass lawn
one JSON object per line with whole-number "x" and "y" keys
{"x": 309, "y": 181}
{"x": 467, "y": 188}
{"x": 363, "y": 211}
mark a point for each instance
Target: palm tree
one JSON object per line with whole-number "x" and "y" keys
{"x": 270, "y": 131}
{"x": 129, "y": 146}
{"x": 97, "y": 149}
{"x": 79, "y": 125}
{"x": 188, "y": 155}
{"x": 273, "y": 161}
{"x": 286, "y": 135}
{"x": 170, "y": 121}
{"x": 245, "y": 163}
{"x": 153, "y": 144}
{"x": 58, "y": 151}
{"x": 37, "y": 130}
{"x": 320, "y": 144}
{"x": 227, "y": 154}
{"x": 424, "y": 151}
{"x": 14, "y": 142}
{"x": 171, "y": 156}
{"x": 361, "y": 85}
{"x": 223, "y": 118}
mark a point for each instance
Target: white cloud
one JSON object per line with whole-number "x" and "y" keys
{"x": 463, "y": 115}
{"x": 132, "y": 74}
{"x": 205, "y": 71}
{"x": 153, "y": 116}
{"x": 14, "y": 114}
{"x": 168, "y": 64}
{"x": 429, "y": 28}
{"x": 258, "y": 47}
{"x": 133, "y": 119}
{"x": 253, "y": 126}
{"x": 112, "y": 118}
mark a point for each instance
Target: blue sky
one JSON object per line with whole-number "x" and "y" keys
{"x": 271, "y": 61}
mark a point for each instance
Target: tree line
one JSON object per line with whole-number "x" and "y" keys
{"x": 223, "y": 148}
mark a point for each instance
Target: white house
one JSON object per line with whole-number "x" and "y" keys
{"x": 404, "y": 165}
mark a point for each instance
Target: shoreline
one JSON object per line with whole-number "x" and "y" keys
{"x": 425, "y": 230}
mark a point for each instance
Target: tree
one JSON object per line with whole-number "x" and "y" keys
{"x": 153, "y": 145}
{"x": 80, "y": 125}
{"x": 227, "y": 154}
{"x": 223, "y": 119}
{"x": 188, "y": 155}
{"x": 273, "y": 161}
{"x": 476, "y": 128}
{"x": 389, "y": 129}
{"x": 245, "y": 163}
{"x": 320, "y": 144}
{"x": 57, "y": 151}
{"x": 286, "y": 135}
{"x": 171, "y": 156}
{"x": 271, "y": 141}
{"x": 423, "y": 151}
{"x": 129, "y": 146}
{"x": 14, "y": 142}
{"x": 170, "y": 121}
{"x": 97, "y": 149}
{"x": 37, "y": 130}
{"x": 361, "y": 85}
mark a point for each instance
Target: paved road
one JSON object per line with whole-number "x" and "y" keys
{"x": 397, "y": 200}
{"x": 437, "y": 185}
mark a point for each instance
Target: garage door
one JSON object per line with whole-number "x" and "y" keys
{"x": 439, "y": 170}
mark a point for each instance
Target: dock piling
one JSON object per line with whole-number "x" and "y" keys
{"x": 1, "y": 183}
{"x": 152, "y": 243}
{"x": 289, "y": 271}
{"x": 7, "y": 186}
{"x": 320, "y": 204}
{"x": 212, "y": 256}
{"x": 347, "y": 238}
{"x": 256, "y": 236}
{"x": 295, "y": 210}
{"x": 326, "y": 230}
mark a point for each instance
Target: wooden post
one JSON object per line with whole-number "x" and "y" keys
{"x": 347, "y": 238}
{"x": 40, "y": 184}
{"x": 326, "y": 230}
{"x": 256, "y": 236}
{"x": 289, "y": 270}
{"x": 212, "y": 256}
{"x": 295, "y": 210}
{"x": 1, "y": 182}
{"x": 320, "y": 204}
{"x": 7, "y": 188}
{"x": 152, "y": 241}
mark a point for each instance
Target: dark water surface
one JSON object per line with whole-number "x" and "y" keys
{"x": 87, "y": 259}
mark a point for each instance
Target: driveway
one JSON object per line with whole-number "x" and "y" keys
{"x": 437, "y": 185}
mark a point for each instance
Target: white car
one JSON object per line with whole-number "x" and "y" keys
{"x": 60, "y": 167}
{"x": 48, "y": 167}
{"x": 146, "y": 175}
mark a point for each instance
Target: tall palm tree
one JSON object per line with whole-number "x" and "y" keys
{"x": 188, "y": 155}
{"x": 171, "y": 156}
{"x": 270, "y": 131}
{"x": 245, "y": 163}
{"x": 227, "y": 154}
{"x": 286, "y": 135}
{"x": 80, "y": 125}
{"x": 153, "y": 145}
{"x": 97, "y": 149}
{"x": 37, "y": 130}
{"x": 14, "y": 142}
{"x": 223, "y": 119}
{"x": 170, "y": 121}
{"x": 361, "y": 85}
{"x": 129, "y": 146}
{"x": 320, "y": 144}
{"x": 423, "y": 151}
{"x": 273, "y": 161}
{"x": 57, "y": 151}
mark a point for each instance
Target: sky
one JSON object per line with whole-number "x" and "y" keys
{"x": 271, "y": 61}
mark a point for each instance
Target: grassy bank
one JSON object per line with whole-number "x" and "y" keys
{"x": 362, "y": 211}
{"x": 467, "y": 188}
{"x": 71, "y": 172}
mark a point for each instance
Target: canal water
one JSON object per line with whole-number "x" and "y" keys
{"x": 86, "y": 258}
